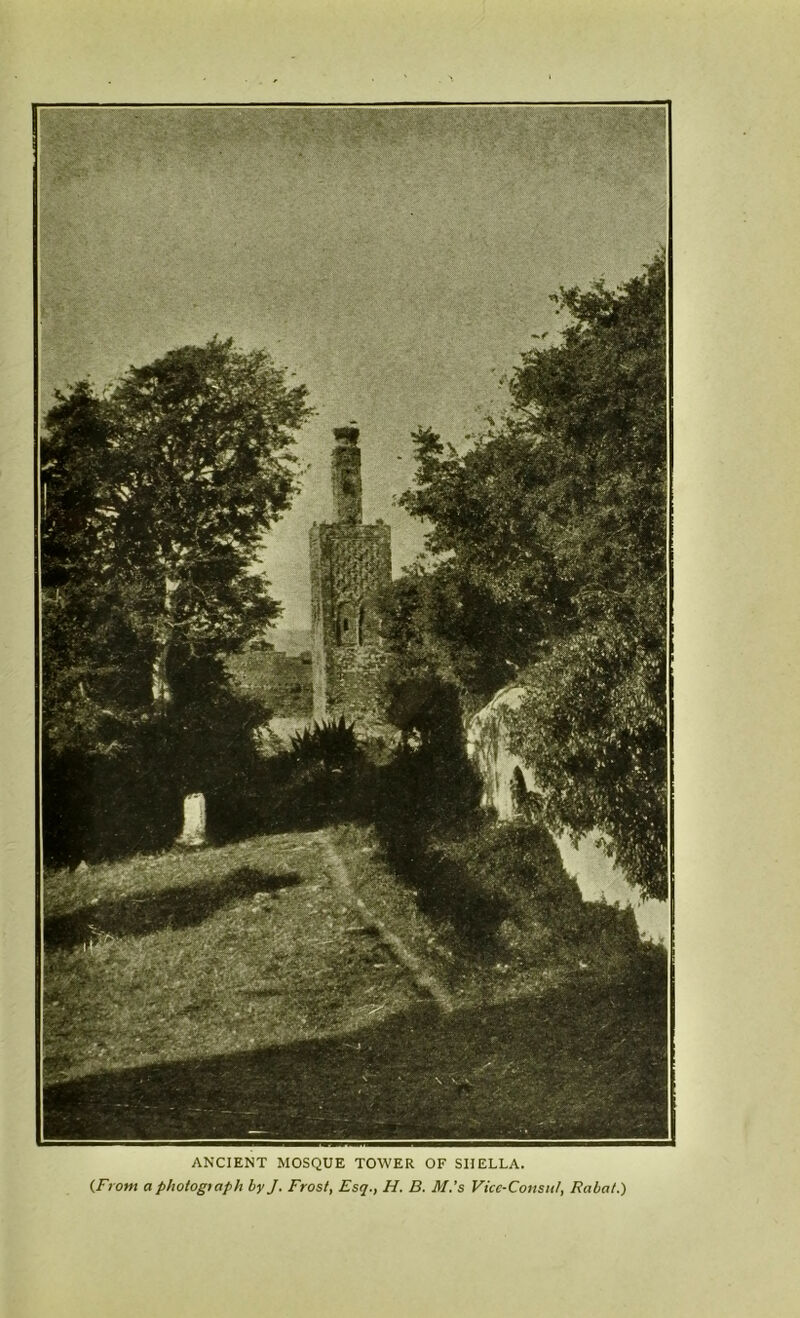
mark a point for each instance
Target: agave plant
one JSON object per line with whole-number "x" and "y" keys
{"x": 332, "y": 743}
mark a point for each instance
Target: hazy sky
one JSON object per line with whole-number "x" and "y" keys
{"x": 398, "y": 260}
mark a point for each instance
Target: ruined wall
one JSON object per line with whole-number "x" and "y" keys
{"x": 280, "y": 681}
{"x": 503, "y": 774}
{"x": 350, "y": 564}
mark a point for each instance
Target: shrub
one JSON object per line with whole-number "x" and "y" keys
{"x": 331, "y": 743}
{"x": 127, "y": 796}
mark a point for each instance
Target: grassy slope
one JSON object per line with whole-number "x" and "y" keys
{"x": 234, "y": 990}
{"x": 184, "y": 955}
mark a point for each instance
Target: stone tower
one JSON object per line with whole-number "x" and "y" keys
{"x": 350, "y": 564}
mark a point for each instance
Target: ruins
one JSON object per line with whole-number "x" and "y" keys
{"x": 351, "y": 563}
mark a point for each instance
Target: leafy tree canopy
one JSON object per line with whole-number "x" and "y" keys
{"x": 546, "y": 559}
{"x": 155, "y": 499}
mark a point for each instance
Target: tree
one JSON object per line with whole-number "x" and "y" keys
{"x": 155, "y": 500}
{"x": 464, "y": 610}
{"x": 548, "y": 539}
{"x": 200, "y": 444}
{"x": 159, "y": 494}
{"x": 89, "y": 668}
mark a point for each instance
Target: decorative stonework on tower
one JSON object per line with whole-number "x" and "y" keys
{"x": 350, "y": 564}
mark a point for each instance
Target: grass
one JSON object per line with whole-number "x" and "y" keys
{"x": 193, "y": 954}
{"x": 238, "y": 992}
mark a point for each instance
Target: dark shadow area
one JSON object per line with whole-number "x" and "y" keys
{"x": 427, "y": 793}
{"x": 479, "y": 873}
{"x": 120, "y": 791}
{"x": 326, "y": 777}
{"x": 97, "y": 807}
{"x": 175, "y": 908}
{"x": 585, "y": 1061}
{"x": 448, "y": 893}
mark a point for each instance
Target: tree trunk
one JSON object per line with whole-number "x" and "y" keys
{"x": 161, "y": 685}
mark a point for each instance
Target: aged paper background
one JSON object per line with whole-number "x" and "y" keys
{"x": 710, "y": 1226}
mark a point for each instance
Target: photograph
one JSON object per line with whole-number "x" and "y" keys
{"x": 353, "y": 574}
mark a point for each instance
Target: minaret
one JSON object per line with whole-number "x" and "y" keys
{"x": 350, "y": 564}
{"x": 346, "y": 476}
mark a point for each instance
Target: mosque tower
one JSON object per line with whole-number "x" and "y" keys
{"x": 350, "y": 565}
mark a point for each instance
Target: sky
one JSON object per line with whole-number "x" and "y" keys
{"x": 396, "y": 260}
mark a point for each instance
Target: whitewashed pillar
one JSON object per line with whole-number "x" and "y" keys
{"x": 194, "y": 821}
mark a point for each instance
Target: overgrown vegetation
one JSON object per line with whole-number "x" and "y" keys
{"x": 155, "y": 499}
{"x": 546, "y": 563}
{"x": 331, "y": 743}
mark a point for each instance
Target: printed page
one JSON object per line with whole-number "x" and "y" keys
{"x": 304, "y": 1065}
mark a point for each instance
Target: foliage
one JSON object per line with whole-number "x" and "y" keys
{"x": 593, "y": 725}
{"x": 108, "y": 802}
{"x": 428, "y": 790}
{"x": 331, "y": 743}
{"x": 464, "y": 611}
{"x": 93, "y": 682}
{"x": 546, "y": 558}
{"x": 155, "y": 499}
{"x": 191, "y": 464}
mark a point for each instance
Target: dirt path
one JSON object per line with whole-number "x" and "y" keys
{"x": 422, "y": 976}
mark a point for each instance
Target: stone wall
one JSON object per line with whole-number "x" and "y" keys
{"x": 281, "y": 682}
{"x": 505, "y": 777}
{"x": 350, "y": 565}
